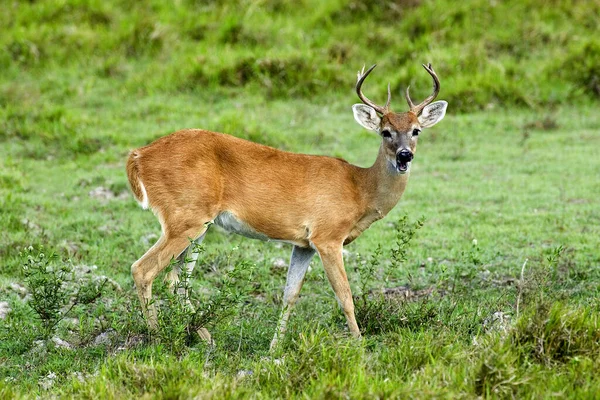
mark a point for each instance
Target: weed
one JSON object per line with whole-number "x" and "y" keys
{"x": 555, "y": 333}
{"x": 581, "y": 67}
{"x": 53, "y": 292}
{"x": 182, "y": 312}
{"x": 376, "y": 312}
{"x": 405, "y": 232}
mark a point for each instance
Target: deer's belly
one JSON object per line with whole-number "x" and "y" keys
{"x": 231, "y": 223}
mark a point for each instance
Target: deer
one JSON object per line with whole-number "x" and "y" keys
{"x": 193, "y": 178}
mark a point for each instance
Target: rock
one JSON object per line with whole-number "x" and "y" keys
{"x": 79, "y": 376}
{"x": 4, "y": 309}
{"x": 105, "y": 338}
{"x": 498, "y": 321}
{"x": 48, "y": 381}
{"x": 58, "y": 342}
{"x": 279, "y": 263}
{"x": 149, "y": 239}
{"x": 19, "y": 289}
{"x": 72, "y": 323}
{"x": 244, "y": 373}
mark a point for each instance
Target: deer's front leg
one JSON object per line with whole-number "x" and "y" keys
{"x": 299, "y": 263}
{"x": 333, "y": 262}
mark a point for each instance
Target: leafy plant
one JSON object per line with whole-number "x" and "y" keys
{"x": 183, "y": 312}
{"x": 54, "y": 293}
{"x": 375, "y": 312}
{"x": 405, "y": 232}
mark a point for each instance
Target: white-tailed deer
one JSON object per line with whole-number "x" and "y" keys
{"x": 316, "y": 203}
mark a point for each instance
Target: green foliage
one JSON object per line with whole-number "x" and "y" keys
{"x": 405, "y": 232}
{"x": 83, "y": 82}
{"x": 182, "y": 312}
{"x": 483, "y": 57}
{"x": 552, "y": 333}
{"x": 53, "y": 289}
{"x": 581, "y": 66}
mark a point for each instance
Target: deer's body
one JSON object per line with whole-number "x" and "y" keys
{"x": 314, "y": 197}
{"x": 316, "y": 203}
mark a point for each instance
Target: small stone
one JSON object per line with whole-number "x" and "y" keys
{"x": 71, "y": 322}
{"x": 19, "y": 289}
{"x": 58, "y": 342}
{"x": 244, "y": 373}
{"x": 149, "y": 238}
{"x": 105, "y": 338}
{"x": 279, "y": 263}
{"x": 4, "y": 309}
{"x": 48, "y": 381}
{"x": 498, "y": 321}
{"x": 79, "y": 376}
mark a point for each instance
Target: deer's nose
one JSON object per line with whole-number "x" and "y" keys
{"x": 404, "y": 155}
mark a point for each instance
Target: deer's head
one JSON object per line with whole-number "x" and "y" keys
{"x": 399, "y": 131}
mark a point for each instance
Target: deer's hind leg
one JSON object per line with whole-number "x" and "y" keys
{"x": 170, "y": 245}
{"x": 299, "y": 263}
{"x": 185, "y": 264}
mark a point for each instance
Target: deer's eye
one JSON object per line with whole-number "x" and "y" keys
{"x": 386, "y": 134}
{"x": 416, "y": 132}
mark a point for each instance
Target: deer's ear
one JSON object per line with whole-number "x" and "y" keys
{"x": 433, "y": 113}
{"x": 366, "y": 116}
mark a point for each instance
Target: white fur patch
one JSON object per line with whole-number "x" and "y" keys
{"x": 231, "y": 223}
{"x": 144, "y": 203}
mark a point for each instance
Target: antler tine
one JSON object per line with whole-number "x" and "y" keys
{"x": 387, "y": 103}
{"x": 362, "y": 75}
{"x": 436, "y": 90}
{"x": 408, "y": 100}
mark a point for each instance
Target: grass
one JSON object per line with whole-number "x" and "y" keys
{"x": 509, "y": 175}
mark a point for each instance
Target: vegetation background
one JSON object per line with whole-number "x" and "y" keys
{"x": 496, "y": 293}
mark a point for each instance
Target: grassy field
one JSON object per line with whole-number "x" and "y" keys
{"x": 495, "y": 295}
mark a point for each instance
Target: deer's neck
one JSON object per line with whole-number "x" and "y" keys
{"x": 386, "y": 185}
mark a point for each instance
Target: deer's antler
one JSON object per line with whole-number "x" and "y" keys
{"x": 361, "y": 76}
{"x": 436, "y": 89}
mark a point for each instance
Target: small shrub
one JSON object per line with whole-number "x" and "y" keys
{"x": 582, "y": 68}
{"x": 375, "y": 312}
{"x": 146, "y": 37}
{"x": 281, "y": 77}
{"x": 556, "y": 333}
{"x": 53, "y": 290}
{"x": 318, "y": 356}
{"x": 183, "y": 312}
{"x": 381, "y": 10}
{"x": 405, "y": 232}
{"x": 24, "y": 52}
{"x": 497, "y": 374}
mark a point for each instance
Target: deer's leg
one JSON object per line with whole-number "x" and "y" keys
{"x": 299, "y": 263}
{"x": 333, "y": 262}
{"x": 147, "y": 268}
{"x": 186, "y": 263}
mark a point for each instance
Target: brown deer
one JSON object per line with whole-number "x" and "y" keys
{"x": 318, "y": 204}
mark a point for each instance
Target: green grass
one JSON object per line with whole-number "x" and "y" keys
{"x": 510, "y": 175}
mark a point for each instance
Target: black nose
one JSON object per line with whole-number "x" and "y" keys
{"x": 404, "y": 156}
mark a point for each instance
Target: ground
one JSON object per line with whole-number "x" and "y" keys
{"x": 494, "y": 295}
